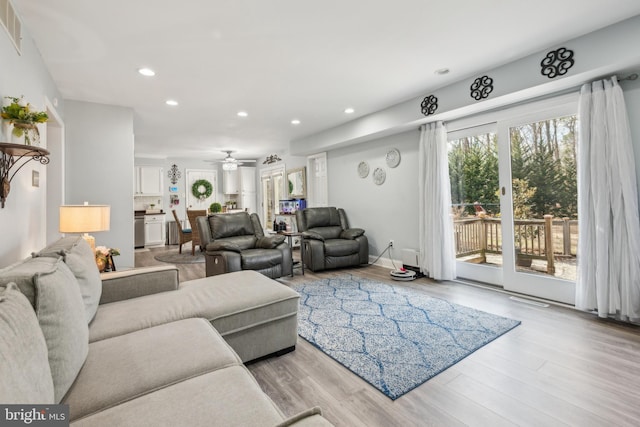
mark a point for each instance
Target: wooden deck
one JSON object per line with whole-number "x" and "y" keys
{"x": 550, "y": 240}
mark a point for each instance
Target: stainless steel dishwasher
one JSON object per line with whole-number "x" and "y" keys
{"x": 139, "y": 231}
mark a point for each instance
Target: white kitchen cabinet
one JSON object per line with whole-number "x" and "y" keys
{"x": 154, "y": 230}
{"x": 247, "y": 178}
{"x": 231, "y": 182}
{"x": 149, "y": 181}
{"x": 241, "y": 182}
{"x": 247, "y": 196}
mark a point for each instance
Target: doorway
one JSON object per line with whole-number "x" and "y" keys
{"x": 317, "y": 180}
{"x": 196, "y": 203}
{"x": 272, "y": 186}
{"x": 55, "y": 183}
{"x": 514, "y": 201}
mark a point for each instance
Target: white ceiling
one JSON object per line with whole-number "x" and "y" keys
{"x": 283, "y": 59}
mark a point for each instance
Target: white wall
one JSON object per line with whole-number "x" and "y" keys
{"x": 390, "y": 211}
{"x": 601, "y": 53}
{"x": 23, "y": 220}
{"x": 387, "y": 211}
{"x": 99, "y": 168}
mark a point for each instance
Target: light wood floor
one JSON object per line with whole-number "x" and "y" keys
{"x": 559, "y": 367}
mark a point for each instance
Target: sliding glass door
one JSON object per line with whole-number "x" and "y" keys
{"x": 542, "y": 212}
{"x": 475, "y": 203}
{"x": 514, "y": 202}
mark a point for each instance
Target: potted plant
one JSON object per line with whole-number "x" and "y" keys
{"x": 23, "y": 119}
{"x": 104, "y": 258}
{"x": 215, "y": 207}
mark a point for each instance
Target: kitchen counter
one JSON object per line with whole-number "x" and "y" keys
{"x": 142, "y": 213}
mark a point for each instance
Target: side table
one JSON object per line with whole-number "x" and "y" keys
{"x": 290, "y": 235}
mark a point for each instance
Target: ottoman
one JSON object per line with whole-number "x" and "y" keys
{"x": 257, "y": 316}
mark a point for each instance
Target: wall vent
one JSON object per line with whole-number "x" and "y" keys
{"x": 11, "y": 23}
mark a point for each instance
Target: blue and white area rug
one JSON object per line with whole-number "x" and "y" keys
{"x": 394, "y": 338}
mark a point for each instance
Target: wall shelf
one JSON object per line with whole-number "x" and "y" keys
{"x": 13, "y": 158}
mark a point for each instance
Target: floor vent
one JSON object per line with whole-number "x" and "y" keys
{"x": 528, "y": 301}
{"x": 11, "y": 23}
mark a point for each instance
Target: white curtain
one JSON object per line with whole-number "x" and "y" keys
{"x": 609, "y": 227}
{"x": 437, "y": 249}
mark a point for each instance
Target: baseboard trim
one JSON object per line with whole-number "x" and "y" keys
{"x": 385, "y": 262}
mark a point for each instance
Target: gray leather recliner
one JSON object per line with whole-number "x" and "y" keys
{"x": 329, "y": 242}
{"x": 234, "y": 242}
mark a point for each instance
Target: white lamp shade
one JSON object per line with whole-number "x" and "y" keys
{"x": 84, "y": 218}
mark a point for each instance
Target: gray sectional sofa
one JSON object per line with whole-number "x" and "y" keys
{"x": 136, "y": 348}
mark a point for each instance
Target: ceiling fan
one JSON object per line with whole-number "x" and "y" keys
{"x": 230, "y": 163}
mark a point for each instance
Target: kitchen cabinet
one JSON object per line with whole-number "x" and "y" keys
{"x": 247, "y": 196}
{"x": 148, "y": 181}
{"x": 241, "y": 182}
{"x": 154, "y": 230}
{"x": 231, "y": 182}
{"x": 247, "y": 177}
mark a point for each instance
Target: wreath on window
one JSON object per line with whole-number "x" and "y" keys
{"x": 202, "y": 189}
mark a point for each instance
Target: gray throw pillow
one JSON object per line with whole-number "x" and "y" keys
{"x": 25, "y": 376}
{"x": 54, "y": 293}
{"x": 79, "y": 257}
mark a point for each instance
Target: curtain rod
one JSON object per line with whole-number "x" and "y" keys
{"x": 630, "y": 77}
{"x": 633, "y": 76}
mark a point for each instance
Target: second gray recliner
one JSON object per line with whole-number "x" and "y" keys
{"x": 329, "y": 242}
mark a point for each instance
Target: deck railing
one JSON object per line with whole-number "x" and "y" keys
{"x": 534, "y": 238}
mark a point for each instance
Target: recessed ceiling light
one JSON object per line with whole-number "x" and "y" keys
{"x": 148, "y": 72}
{"x": 171, "y": 102}
{"x": 441, "y": 71}
{"x": 295, "y": 122}
{"x": 349, "y": 110}
{"x": 242, "y": 114}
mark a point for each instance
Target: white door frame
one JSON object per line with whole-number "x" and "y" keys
{"x": 269, "y": 172}
{"x": 539, "y": 285}
{"x": 317, "y": 180}
{"x": 54, "y": 172}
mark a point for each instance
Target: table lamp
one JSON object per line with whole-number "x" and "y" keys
{"x": 85, "y": 219}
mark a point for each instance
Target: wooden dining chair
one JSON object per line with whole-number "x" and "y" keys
{"x": 185, "y": 234}
{"x": 192, "y": 215}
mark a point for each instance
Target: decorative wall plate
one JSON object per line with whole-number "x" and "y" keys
{"x": 379, "y": 175}
{"x": 393, "y": 158}
{"x": 363, "y": 169}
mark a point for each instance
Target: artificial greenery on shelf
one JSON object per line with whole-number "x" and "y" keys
{"x": 23, "y": 118}
{"x": 21, "y": 111}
